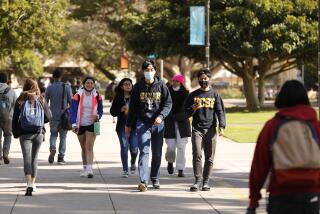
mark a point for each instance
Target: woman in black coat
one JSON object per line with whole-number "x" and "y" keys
{"x": 177, "y": 127}
{"x": 120, "y": 108}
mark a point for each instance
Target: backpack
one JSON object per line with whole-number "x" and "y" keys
{"x": 32, "y": 116}
{"x": 295, "y": 152}
{"x": 5, "y": 105}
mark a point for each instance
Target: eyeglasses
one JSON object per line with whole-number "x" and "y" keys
{"x": 127, "y": 84}
{"x": 149, "y": 70}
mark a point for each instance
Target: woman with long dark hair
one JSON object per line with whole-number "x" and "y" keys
{"x": 30, "y": 113}
{"x": 120, "y": 108}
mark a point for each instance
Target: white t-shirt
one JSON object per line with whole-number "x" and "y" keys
{"x": 87, "y": 111}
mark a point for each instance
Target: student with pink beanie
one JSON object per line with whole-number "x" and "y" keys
{"x": 177, "y": 127}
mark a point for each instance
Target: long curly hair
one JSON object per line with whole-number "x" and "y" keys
{"x": 119, "y": 91}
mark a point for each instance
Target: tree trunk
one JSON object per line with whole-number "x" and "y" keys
{"x": 185, "y": 69}
{"x": 250, "y": 93}
{"x": 261, "y": 90}
{"x": 108, "y": 74}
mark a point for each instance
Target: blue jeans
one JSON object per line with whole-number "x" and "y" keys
{"x": 54, "y": 130}
{"x": 149, "y": 134}
{"x": 127, "y": 143}
{"x": 6, "y": 130}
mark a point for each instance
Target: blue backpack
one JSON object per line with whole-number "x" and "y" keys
{"x": 32, "y": 115}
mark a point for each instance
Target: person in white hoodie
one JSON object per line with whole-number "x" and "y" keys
{"x": 7, "y": 100}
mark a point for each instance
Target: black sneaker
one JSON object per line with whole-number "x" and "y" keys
{"x": 133, "y": 168}
{"x": 170, "y": 168}
{"x": 29, "y": 191}
{"x": 142, "y": 187}
{"x": 156, "y": 184}
{"x": 6, "y": 159}
{"x": 61, "y": 161}
{"x": 206, "y": 186}
{"x": 180, "y": 173}
{"x": 51, "y": 156}
{"x": 195, "y": 187}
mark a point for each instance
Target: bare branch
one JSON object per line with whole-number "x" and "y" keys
{"x": 280, "y": 71}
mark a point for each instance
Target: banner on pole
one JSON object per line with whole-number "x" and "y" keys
{"x": 197, "y": 25}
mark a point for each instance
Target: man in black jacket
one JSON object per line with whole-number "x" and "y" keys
{"x": 150, "y": 103}
{"x": 205, "y": 106}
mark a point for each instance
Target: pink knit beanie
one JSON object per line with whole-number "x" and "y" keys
{"x": 179, "y": 78}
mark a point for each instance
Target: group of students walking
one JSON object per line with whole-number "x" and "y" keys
{"x": 149, "y": 112}
{"x": 32, "y": 109}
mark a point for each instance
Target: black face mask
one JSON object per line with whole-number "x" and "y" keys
{"x": 87, "y": 89}
{"x": 204, "y": 83}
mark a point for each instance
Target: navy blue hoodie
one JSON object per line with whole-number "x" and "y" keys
{"x": 149, "y": 101}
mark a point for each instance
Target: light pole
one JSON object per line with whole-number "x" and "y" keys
{"x": 208, "y": 35}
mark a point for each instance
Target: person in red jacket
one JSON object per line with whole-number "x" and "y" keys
{"x": 292, "y": 102}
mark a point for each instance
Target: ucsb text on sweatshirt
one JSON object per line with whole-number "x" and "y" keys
{"x": 149, "y": 101}
{"x": 211, "y": 109}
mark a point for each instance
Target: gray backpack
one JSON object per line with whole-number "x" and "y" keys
{"x": 5, "y": 105}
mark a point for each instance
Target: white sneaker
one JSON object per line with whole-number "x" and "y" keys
{"x": 34, "y": 188}
{"x": 125, "y": 174}
{"x": 90, "y": 173}
{"x": 83, "y": 173}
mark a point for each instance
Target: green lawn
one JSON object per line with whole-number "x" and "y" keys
{"x": 244, "y": 127}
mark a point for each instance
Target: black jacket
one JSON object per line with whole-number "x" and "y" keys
{"x": 16, "y": 127}
{"x": 149, "y": 102}
{"x": 177, "y": 114}
{"x": 115, "y": 110}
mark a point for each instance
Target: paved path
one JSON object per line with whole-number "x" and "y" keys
{"x": 62, "y": 191}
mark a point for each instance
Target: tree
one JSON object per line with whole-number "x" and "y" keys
{"x": 97, "y": 34}
{"x": 254, "y": 39}
{"x": 28, "y": 29}
{"x": 260, "y": 39}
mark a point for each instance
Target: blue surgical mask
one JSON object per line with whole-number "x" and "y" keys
{"x": 148, "y": 75}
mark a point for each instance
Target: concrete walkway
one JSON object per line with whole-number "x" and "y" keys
{"x": 62, "y": 191}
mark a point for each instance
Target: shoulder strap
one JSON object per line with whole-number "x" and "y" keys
{"x": 6, "y": 90}
{"x": 281, "y": 121}
{"x": 62, "y": 101}
{"x": 97, "y": 97}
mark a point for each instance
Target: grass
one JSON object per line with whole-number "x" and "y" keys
{"x": 244, "y": 127}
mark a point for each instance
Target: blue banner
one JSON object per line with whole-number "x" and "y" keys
{"x": 197, "y": 25}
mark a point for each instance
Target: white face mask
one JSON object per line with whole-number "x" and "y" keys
{"x": 149, "y": 75}
{"x": 176, "y": 88}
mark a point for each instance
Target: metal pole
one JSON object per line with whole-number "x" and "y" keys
{"x": 302, "y": 72}
{"x": 319, "y": 57}
{"x": 208, "y": 35}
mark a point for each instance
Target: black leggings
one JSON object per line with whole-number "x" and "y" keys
{"x": 304, "y": 203}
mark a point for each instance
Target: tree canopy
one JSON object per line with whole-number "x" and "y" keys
{"x": 254, "y": 39}
{"x": 28, "y": 29}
